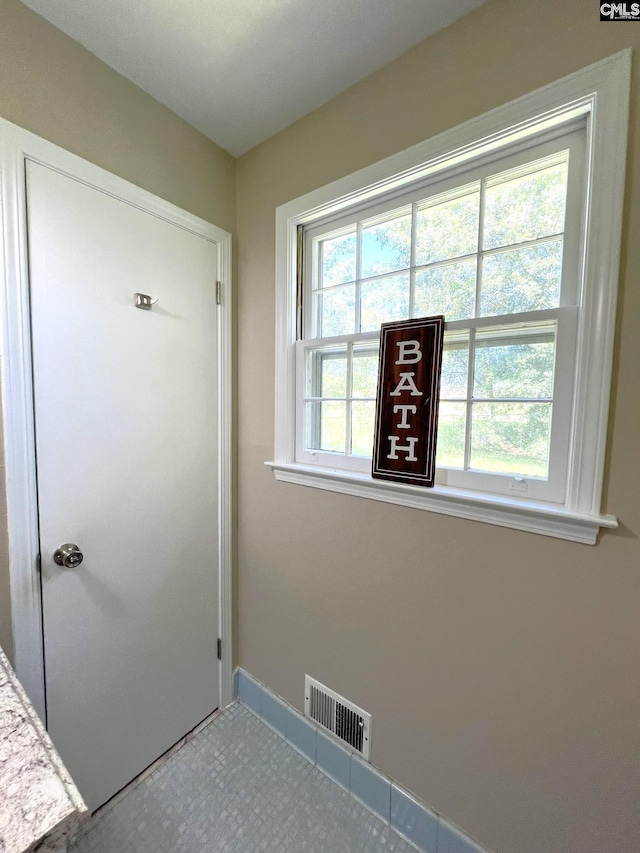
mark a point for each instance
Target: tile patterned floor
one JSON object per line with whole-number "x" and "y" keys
{"x": 237, "y": 787}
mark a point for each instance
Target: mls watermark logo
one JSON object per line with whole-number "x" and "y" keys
{"x": 620, "y": 11}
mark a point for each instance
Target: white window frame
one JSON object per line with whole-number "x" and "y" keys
{"x": 569, "y": 139}
{"x": 601, "y": 94}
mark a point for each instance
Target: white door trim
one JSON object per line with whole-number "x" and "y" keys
{"x": 16, "y": 147}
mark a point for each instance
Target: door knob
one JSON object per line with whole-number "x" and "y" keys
{"x": 68, "y": 555}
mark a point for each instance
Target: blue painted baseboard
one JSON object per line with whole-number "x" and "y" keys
{"x": 428, "y": 831}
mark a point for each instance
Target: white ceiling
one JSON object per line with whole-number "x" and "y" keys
{"x": 241, "y": 70}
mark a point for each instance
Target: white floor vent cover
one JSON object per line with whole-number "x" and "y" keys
{"x": 338, "y": 716}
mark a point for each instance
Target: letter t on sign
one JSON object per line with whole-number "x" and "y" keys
{"x": 407, "y": 403}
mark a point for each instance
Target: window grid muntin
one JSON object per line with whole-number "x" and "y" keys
{"x": 314, "y": 379}
{"x": 318, "y": 291}
{"x": 519, "y": 332}
{"x": 501, "y": 177}
{"x": 537, "y": 334}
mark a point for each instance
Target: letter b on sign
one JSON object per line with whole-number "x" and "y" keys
{"x": 410, "y": 352}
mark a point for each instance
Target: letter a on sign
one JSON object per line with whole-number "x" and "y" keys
{"x": 404, "y": 449}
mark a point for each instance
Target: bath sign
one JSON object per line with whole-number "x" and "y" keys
{"x": 404, "y": 449}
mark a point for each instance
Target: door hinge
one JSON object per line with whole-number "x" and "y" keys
{"x": 218, "y": 293}
{"x": 39, "y": 563}
{"x": 219, "y": 649}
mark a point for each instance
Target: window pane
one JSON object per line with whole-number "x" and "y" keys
{"x": 515, "y": 364}
{"x": 455, "y": 367}
{"x": 386, "y": 246}
{"x": 336, "y": 312}
{"x": 333, "y": 377}
{"x": 451, "y": 427}
{"x": 448, "y": 290}
{"x": 362, "y": 419}
{"x": 522, "y": 279}
{"x": 525, "y": 207}
{"x": 384, "y": 300}
{"x": 365, "y": 373}
{"x": 448, "y": 229}
{"x": 511, "y": 438}
{"x": 326, "y": 373}
{"x": 338, "y": 260}
{"x": 326, "y": 426}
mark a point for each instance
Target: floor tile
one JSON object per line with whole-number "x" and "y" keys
{"x": 236, "y": 787}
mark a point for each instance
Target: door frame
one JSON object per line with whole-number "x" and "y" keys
{"x": 16, "y": 147}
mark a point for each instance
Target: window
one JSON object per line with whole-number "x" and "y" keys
{"x": 503, "y": 226}
{"x": 487, "y": 247}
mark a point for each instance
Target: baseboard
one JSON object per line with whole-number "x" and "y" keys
{"x": 427, "y": 830}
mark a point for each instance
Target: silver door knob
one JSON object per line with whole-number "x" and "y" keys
{"x": 68, "y": 555}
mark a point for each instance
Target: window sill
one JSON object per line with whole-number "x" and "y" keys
{"x": 530, "y": 516}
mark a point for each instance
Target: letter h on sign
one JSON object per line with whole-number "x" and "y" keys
{"x": 404, "y": 448}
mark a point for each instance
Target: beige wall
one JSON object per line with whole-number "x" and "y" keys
{"x": 501, "y": 668}
{"x": 52, "y": 86}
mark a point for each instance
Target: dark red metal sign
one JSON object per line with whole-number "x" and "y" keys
{"x": 404, "y": 449}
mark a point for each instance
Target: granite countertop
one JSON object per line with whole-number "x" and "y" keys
{"x": 40, "y": 807}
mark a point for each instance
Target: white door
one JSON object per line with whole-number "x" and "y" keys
{"x": 125, "y": 411}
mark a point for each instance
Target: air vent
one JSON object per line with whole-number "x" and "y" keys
{"x": 338, "y": 716}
